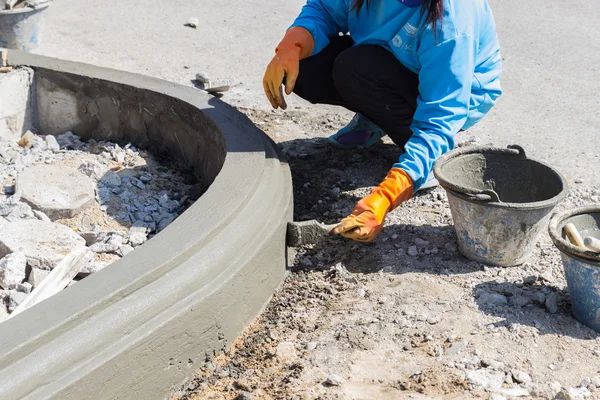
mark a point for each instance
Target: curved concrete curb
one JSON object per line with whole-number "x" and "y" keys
{"x": 140, "y": 327}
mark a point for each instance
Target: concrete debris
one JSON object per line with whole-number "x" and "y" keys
{"x": 15, "y": 299}
{"x": 193, "y": 22}
{"x": 516, "y": 391}
{"x": 580, "y": 393}
{"x": 492, "y": 299}
{"x": 3, "y": 57}
{"x": 44, "y": 244}
{"x": 109, "y": 187}
{"x": 24, "y": 287}
{"x": 520, "y": 376}
{"x": 285, "y": 352}
{"x": 110, "y": 244}
{"x": 335, "y": 380}
{"x": 12, "y": 270}
{"x": 486, "y": 379}
{"x": 91, "y": 268}
{"x": 36, "y": 276}
{"x": 59, "y": 192}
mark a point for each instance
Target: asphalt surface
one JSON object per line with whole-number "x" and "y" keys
{"x": 551, "y": 50}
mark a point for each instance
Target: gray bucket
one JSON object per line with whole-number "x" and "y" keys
{"x": 582, "y": 268}
{"x": 500, "y": 201}
{"x": 21, "y": 29}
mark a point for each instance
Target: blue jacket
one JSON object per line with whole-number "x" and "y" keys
{"x": 459, "y": 68}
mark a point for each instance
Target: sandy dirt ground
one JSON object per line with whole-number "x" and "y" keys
{"x": 376, "y": 321}
{"x": 406, "y": 317}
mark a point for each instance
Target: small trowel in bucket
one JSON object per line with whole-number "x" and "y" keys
{"x": 306, "y": 232}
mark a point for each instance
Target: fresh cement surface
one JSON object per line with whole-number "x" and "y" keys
{"x": 145, "y": 322}
{"x": 550, "y": 48}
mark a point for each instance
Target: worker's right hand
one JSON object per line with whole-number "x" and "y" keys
{"x": 297, "y": 44}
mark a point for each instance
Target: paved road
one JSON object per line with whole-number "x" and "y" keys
{"x": 551, "y": 50}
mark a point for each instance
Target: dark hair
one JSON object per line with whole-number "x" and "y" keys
{"x": 434, "y": 9}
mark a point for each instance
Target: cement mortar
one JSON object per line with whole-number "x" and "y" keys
{"x": 138, "y": 328}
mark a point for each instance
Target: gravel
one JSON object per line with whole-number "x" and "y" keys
{"x": 137, "y": 195}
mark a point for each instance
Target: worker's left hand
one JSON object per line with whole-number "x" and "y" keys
{"x": 366, "y": 221}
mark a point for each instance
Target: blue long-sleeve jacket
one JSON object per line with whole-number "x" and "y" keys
{"x": 459, "y": 66}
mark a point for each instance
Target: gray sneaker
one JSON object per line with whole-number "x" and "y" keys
{"x": 431, "y": 182}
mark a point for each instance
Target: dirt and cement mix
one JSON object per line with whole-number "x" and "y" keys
{"x": 406, "y": 317}
{"x": 61, "y": 194}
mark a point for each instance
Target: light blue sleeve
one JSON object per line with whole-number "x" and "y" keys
{"x": 442, "y": 106}
{"x": 323, "y": 19}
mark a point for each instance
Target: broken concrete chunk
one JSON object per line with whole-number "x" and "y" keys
{"x": 59, "y": 192}
{"x": 93, "y": 169}
{"x": 92, "y": 267}
{"x": 335, "y": 380}
{"x": 44, "y": 244}
{"x": 193, "y": 22}
{"x": 111, "y": 179}
{"x": 12, "y": 270}
{"x": 41, "y": 216}
{"x": 14, "y": 299}
{"x": 36, "y": 276}
{"x": 110, "y": 244}
{"x": 486, "y": 379}
{"x": 24, "y": 287}
{"x": 52, "y": 143}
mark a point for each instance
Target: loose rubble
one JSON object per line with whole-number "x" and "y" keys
{"x": 60, "y": 194}
{"x": 406, "y": 316}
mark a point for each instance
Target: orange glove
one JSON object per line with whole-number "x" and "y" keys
{"x": 297, "y": 44}
{"x": 366, "y": 221}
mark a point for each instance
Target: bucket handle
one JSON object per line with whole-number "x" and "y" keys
{"x": 489, "y": 195}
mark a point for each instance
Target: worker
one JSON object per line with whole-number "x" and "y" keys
{"x": 418, "y": 71}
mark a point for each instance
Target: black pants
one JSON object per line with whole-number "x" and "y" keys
{"x": 367, "y": 79}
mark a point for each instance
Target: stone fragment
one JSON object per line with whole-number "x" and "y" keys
{"x": 515, "y": 391}
{"x": 12, "y": 270}
{"x": 285, "y": 351}
{"x": 59, "y": 192}
{"x": 92, "y": 267}
{"x": 457, "y": 348}
{"x": 193, "y": 22}
{"x": 111, "y": 244}
{"x": 412, "y": 251}
{"x": 13, "y": 210}
{"x": 111, "y": 179}
{"x": 493, "y": 299}
{"x": 44, "y": 244}
{"x": 138, "y": 234}
{"x": 104, "y": 195}
{"x": 36, "y": 276}
{"x": 69, "y": 140}
{"x": 52, "y": 143}
{"x": 486, "y": 379}
{"x": 335, "y": 380}
{"x": 125, "y": 249}
{"x": 310, "y": 346}
{"x": 41, "y": 216}
{"x": 164, "y": 222}
{"x": 552, "y": 303}
{"x": 520, "y": 376}
{"x": 580, "y": 393}
{"x": 93, "y": 169}
{"x": 24, "y": 287}
{"x": 14, "y": 299}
